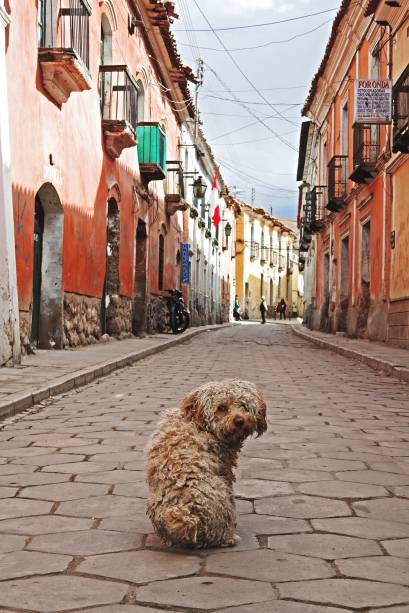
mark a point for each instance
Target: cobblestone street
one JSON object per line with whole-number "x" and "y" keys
{"x": 322, "y": 497}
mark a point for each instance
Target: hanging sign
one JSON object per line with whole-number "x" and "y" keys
{"x": 185, "y": 269}
{"x": 373, "y": 101}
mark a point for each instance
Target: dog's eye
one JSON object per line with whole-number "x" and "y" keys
{"x": 222, "y": 409}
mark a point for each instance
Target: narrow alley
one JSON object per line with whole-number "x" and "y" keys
{"x": 322, "y": 497}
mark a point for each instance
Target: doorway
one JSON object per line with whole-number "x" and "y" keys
{"x": 111, "y": 285}
{"x": 140, "y": 285}
{"x": 47, "y": 297}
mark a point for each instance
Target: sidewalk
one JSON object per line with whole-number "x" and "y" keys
{"x": 48, "y": 373}
{"x": 390, "y": 360}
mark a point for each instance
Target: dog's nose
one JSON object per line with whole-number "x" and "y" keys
{"x": 238, "y": 421}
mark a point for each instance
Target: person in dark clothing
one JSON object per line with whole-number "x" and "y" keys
{"x": 282, "y": 307}
{"x": 263, "y": 309}
{"x": 236, "y": 309}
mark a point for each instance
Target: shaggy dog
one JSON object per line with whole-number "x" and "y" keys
{"x": 191, "y": 462}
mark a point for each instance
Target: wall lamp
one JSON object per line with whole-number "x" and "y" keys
{"x": 199, "y": 188}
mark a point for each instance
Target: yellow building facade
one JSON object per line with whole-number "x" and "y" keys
{"x": 266, "y": 263}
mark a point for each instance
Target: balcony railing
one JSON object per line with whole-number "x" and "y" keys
{"x": 151, "y": 151}
{"x": 64, "y": 47}
{"x": 401, "y": 113}
{"x": 337, "y": 182}
{"x": 314, "y": 209}
{"x": 263, "y": 254}
{"x": 174, "y": 187}
{"x": 366, "y": 152}
{"x": 254, "y": 250}
{"x": 119, "y": 108}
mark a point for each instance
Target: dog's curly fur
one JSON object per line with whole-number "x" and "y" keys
{"x": 191, "y": 462}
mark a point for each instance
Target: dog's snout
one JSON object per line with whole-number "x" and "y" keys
{"x": 238, "y": 421}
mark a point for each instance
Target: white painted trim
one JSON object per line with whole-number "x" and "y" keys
{"x": 384, "y": 235}
{"x": 5, "y": 18}
{"x": 353, "y": 252}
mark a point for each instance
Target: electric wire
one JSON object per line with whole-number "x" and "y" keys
{"x": 267, "y": 44}
{"x": 261, "y": 25}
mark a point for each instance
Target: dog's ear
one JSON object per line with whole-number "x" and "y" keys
{"x": 261, "y": 421}
{"x": 191, "y": 409}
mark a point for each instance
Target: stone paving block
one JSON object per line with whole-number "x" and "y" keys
{"x": 111, "y": 477}
{"x": 26, "y": 479}
{"x": 248, "y": 542}
{"x": 327, "y": 464}
{"x": 14, "y": 507}
{"x": 243, "y": 507}
{"x": 205, "y": 593}
{"x": 380, "y": 568}
{"x": 44, "y": 524}
{"x": 400, "y": 467}
{"x": 139, "y": 524}
{"x": 25, "y": 563}
{"x": 48, "y": 459}
{"x": 9, "y": 542}
{"x": 259, "y": 488}
{"x": 266, "y": 565}
{"x": 127, "y": 608}
{"x": 63, "y": 491}
{"x": 397, "y": 547}
{"x": 388, "y": 509}
{"x": 70, "y": 593}
{"x": 375, "y": 477}
{"x": 135, "y": 490}
{"x": 141, "y": 566}
{"x": 77, "y": 468}
{"x": 346, "y": 592}
{"x": 8, "y": 492}
{"x": 86, "y": 542}
{"x": 15, "y": 469}
{"x": 265, "y": 524}
{"x": 403, "y": 609}
{"x": 23, "y": 452}
{"x": 303, "y": 507}
{"x": 362, "y": 527}
{"x": 341, "y": 489}
{"x": 326, "y": 546}
{"x": 281, "y": 606}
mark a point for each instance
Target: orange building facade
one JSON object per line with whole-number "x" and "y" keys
{"x": 97, "y": 93}
{"x": 353, "y": 210}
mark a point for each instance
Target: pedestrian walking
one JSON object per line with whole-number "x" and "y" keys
{"x": 263, "y": 309}
{"x": 282, "y": 307}
{"x": 236, "y": 309}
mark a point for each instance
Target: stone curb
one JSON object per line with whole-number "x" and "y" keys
{"x": 390, "y": 368}
{"x": 25, "y": 400}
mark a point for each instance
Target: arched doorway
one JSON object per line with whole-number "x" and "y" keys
{"x": 110, "y": 293}
{"x": 140, "y": 286}
{"x": 47, "y": 302}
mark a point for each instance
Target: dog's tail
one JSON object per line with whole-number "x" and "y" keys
{"x": 181, "y": 526}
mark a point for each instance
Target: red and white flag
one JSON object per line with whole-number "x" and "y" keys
{"x": 216, "y": 176}
{"x": 216, "y": 216}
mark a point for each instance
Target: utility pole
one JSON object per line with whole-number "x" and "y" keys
{"x": 253, "y": 196}
{"x": 199, "y": 77}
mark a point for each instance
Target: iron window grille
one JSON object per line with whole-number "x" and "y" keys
{"x": 119, "y": 95}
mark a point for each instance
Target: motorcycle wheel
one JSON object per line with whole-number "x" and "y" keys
{"x": 179, "y": 321}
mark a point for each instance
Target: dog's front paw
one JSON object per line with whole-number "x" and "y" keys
{"x": 232, "y": 541}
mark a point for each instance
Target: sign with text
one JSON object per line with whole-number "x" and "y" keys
{"x": 373, "y": 101}
{"x": 185, "y": 268}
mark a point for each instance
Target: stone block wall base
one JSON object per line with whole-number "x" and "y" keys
{"x": 398, "y": 323}
{"x": 81, "y": 320}
{"x": 25, "y": 332}
{"x": 119, "y": 316}
{"x": 378, "y": 322}
{"x": 157, "y": 315}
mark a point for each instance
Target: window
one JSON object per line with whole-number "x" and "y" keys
{"x": 161, "y": 260}
{"x": 366, "y": 253}
{"x": 261, "y": 285}
{"x": 141, "y": 100}
{"x": 344, "y": 130}
{"x": 41, "y": 23}
{"x": 344, "y": 268}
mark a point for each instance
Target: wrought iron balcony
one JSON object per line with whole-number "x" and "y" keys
{"x": 337, "y": 182}
{"x": 119, "y": 107}
{"x": 314, "y": 209}
{"x": 366, "y": 152}
{"x": 401, "y": 113}
{"x": 174, "y": 188}
{"x": 151, "y": 151}
{"x": 64, "y": 47}
{"x": 263, "y": 254}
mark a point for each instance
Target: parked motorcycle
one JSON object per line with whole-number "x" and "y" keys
{"x": 179, "y": 316}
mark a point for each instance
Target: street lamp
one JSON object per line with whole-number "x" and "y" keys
{"x": 199, "y": 188}
{"x": 227, "y": 230}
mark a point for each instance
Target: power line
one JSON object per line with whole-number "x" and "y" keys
{"x": 253, "y": 178}
{"x": 288, "y": 104}
{"x": 245, "y": 76}
{"x": 258, "y": 140}
{"x": 260, "y": 25}
{"x": 269, "y": 43}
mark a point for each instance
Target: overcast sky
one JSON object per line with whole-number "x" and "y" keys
{"x": 252, "y": 156}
